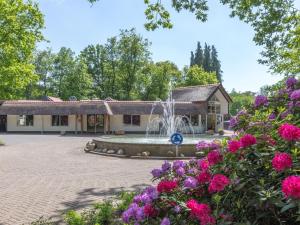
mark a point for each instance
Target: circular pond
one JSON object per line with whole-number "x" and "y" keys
{"x": 139, "y": 145}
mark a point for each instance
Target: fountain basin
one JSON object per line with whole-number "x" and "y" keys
{"x": 154, "y": 146}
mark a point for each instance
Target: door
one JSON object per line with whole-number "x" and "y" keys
{"x": 95, "y": 123}
{"x": 211, "y": 122}
{"x": 3, "y": 123}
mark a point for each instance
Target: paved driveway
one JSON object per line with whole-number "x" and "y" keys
{"x": 45, "y": 175}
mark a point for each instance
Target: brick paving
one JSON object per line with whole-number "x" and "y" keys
{"x": 45, "y": 175}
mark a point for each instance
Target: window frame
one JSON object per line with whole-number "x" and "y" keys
{"x": 132, "y": 120}
{"x": 59, "y": 121}
{"x": 26, "y": 120}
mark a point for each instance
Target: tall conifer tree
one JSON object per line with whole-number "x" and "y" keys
{"x": 215, "y": 63}
{"x": 207, "y": 58}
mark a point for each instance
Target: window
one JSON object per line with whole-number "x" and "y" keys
{"x": 195, "y": 120}
{"x": 214, "y": 107}
{"x": 132, "y": 120}
{"x": 25, "y": 120}
{"x": 58, "y": 120}
{"x": 136, "y": 120}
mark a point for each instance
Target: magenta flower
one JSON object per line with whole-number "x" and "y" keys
{"x": 291, "y": 187}
{"x": 234, "y": 146}
{"x": 204, "y": 177}
{"x": 282, "y": 161}
{"x": 166, "y": 186}
{"x": 203, "y": 164}
{"x": 289, "y": 132}
{"x": 218, "y": 183}
{"x": 201, "y": 211}
{"x": 214, "y": 157}
{"x": 247, "y": 140}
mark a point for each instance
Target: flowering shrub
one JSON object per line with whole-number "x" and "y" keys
{"x": 250, "y": 178}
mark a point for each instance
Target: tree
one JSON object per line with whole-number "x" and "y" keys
{"x": 78, "y": 83}
{"x": 215, "y": 63}
{"x": 20, "y": 29}
{"x": 134, "y": 53}
{"x": 207, "y": 59}
{"x": 240, "y": 100}
{"x": 43, "y": 62}
{"x": 156, "y": 78}
{"x": 196, "y": 75}
{"x": 64, "y": 64}
{"x": 199, "y": 58}
{"x": 276, "y": 25}
{"x": 95, "y": 58}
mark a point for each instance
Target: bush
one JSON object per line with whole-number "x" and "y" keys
{"x": 221, "y": 132}
{"x": 250, "y": 178}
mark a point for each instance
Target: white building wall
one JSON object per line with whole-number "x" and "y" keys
{"x": 116, "y": 123}
{"x": 224, "y": 103}
{"x": 41, "y": 123}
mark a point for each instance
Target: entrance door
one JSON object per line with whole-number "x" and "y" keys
{"x": 3, "y": 122}
{"x": 211, "y": 122}
{"x": 95, "y": 123}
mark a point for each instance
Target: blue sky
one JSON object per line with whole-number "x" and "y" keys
{"x": 76, "y": 24}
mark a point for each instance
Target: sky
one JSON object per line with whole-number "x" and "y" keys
{"x": 76, "y": 24}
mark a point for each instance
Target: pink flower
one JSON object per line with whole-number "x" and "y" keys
{"x": 289, "y": 132}
{"x": 201, "y": 211}
{"x": 204, "y": 177}
{"x": 234, "y": 146}
{"x": 247, "y": 140}
{"x": 291, "y": 187}
{"x": 166, "y": 186}
{"x": 218, "y": 183}
{"x": 150, "y": 211}
{"x": 203, "y": 164}
{"x": 282, "y": 161}
{"x": 214, "y": 157}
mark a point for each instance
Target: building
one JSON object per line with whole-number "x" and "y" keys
{"x": 205, "y": 106}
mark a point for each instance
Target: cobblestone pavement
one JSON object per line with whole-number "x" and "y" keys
{"x": 45, "y": 175}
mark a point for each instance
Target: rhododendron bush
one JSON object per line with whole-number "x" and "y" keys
{"x": 252, "y": 177}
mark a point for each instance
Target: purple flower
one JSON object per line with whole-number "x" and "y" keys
{"x": 166, "y": 166}
{"x": 284, "y": 114}
{"x": 133, "y": 212}
{"x": 180, "y": 171}
{"x": 157, "y": 173}
{"x": 260, "y": 100}
{"x": 152, "y": 192}
{"x": 177, "y": 209}
{"x": 272, "y": 116}
{"x": 291, "y": 81}
{"x": 165, "y": 221}
{"x": 177, "y": 164}
{"x": 295, "y": 95}
{"x": 233, "y": 122}
{"x": 203, "y": 145}
{"x": 190, "y": 182}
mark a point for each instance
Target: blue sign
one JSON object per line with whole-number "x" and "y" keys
{"x": 176, "y": 139}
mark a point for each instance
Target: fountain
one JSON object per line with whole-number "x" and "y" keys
{"x": 156, "y": 142}
{"x": 168, "y": 123}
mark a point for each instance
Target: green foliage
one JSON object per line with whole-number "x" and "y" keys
{"x": 20, "y": 29}
{"x": 196, "y": 75}
{"x": 241, "y": 100}
{"x": 207, "y": 59}
{"x": 155, "y": 79}
{"x": 125, "y": 199}
{"x": 104, "y": 213}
